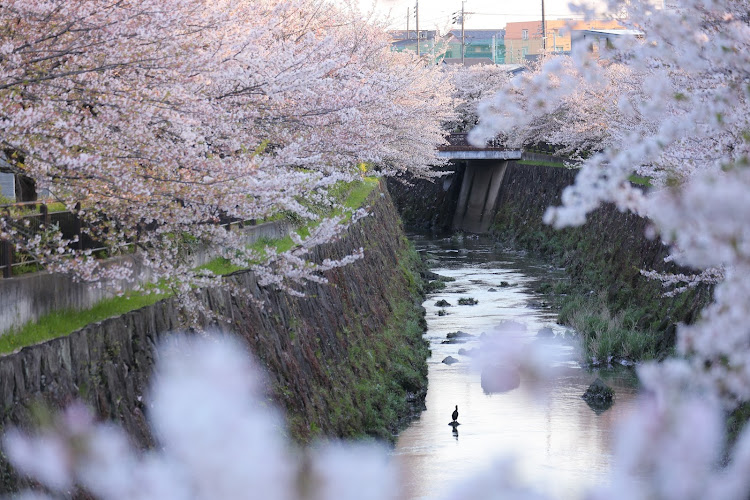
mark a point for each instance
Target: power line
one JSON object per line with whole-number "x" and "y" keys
{"x": 448, "y": 16}
{"x": 527, "y": 15}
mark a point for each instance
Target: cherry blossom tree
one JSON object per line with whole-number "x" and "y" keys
{"x": 689, "y": 114}
{"x": 163, "y": 117}
{"x": 472, "y": 85}
{"x": 577, "y": 108}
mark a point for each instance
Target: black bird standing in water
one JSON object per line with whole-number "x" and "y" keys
{"x": 455, "y": 414}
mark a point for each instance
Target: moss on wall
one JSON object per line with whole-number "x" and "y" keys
{"x": 428, "y": 205}
{"x": 605, "y": 255}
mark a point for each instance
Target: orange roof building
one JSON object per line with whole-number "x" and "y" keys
{"x": 525, "y": 38}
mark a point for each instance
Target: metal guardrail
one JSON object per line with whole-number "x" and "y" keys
{"x": 69, "y": 224}
{"x": 38, "y": 221}
{"x": 459, "y": 142}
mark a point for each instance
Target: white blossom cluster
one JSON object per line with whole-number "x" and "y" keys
{"x": 163, "y": 117}
{"x": 672, "y": 106}
{"x": 472, "y": 85}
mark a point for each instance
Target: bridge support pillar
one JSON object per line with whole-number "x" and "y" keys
{"x": 476, "y": 202}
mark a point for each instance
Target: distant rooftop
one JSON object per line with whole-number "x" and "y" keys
{"x": 412, "y": 34}
{"x": 399, "y": 35}
{"x": 486, "y": 34}
{"x": 468, "y": 61}
{"x": 635, "y": 33}
{"x": 512, "y": 68}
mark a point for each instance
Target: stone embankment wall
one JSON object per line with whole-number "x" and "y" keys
{"x": 605, "y": 254}
{"x": 428, "y": 205}
{"x": 27, "y": 297}
{"x": 347, "y": 359}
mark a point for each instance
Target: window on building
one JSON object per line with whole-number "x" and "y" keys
{"x": 524, "y": 34}
{"x": 524, "y": 51}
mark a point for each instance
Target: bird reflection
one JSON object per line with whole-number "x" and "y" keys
{"x": 455, "y": 432}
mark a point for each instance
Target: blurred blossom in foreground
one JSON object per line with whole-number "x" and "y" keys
{"x": 497, "y": 482}
{"x": 671, "y": 446}
{"x": 219, "y": 438}
{"x": 353, "y": 471}
{"x": 509, "y": 355}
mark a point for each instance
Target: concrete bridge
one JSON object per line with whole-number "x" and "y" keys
{"x": 483, "y": 176}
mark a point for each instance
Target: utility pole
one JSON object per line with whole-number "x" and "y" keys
{"x": 544, "y": 31}
{"x": 416, "y": 10}
{"x": 493, "y": 49}
{"x": 463, "y": 38}
{"x": 408, "y": 15}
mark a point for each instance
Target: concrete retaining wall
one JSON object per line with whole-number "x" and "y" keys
{"x": 29, "y": 296}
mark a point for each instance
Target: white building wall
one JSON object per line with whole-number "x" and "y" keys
{"x": 8, "y": 185}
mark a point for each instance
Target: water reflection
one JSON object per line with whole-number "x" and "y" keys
{"x": 561, "y": 445}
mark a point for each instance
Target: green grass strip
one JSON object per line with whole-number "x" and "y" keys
{"x": 539, "y": 163}
{"x": 64, "y": 322}
{"x": 635, "y": 179}
{"x": 351, "y": 195}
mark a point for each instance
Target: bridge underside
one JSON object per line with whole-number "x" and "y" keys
{"x": 485, "y": 169}
{"x": 475, "y": 210}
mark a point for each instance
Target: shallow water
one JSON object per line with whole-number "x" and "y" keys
{"x": 561, "y": 446}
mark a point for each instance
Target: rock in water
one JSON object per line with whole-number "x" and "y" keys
{"x": 450, "y": 360}
{"x": 457, "y": 335}
{"x": 599, "y": 396}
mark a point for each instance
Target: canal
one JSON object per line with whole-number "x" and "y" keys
{"x": 561, "y": 446}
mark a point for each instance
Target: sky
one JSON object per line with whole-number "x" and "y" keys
{"x": 481, "y": 14}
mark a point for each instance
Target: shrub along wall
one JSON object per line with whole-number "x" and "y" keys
{"x": 348, "y": 359}
{"x": 605, "y": 254}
